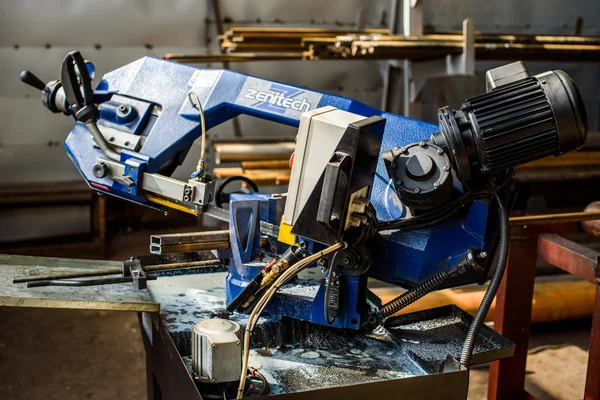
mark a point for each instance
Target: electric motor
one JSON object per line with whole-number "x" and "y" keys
{"x": 217, "y": 350}
{"x": 520, "y": 119}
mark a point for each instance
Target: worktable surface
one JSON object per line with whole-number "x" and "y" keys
{"x": 114, "y": 297}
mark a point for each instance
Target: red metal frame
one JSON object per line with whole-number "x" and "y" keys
{"x": 513, "y": 304}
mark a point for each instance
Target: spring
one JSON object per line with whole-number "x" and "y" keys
{"x": 413, "y": 295}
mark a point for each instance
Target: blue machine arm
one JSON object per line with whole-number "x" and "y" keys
{"x": 168, "y": 123}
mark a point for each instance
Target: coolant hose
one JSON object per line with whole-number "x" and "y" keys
{"x": 488, "y": 298}
{"x": 409, "y": 297}
{"x": 101, "y": 142}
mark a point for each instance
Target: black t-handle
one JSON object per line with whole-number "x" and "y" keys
{"x": 29, "y": 78}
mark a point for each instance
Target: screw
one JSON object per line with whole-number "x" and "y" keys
{"x": 214, "y": 380}
{"x": 417, "y": 190}
{"x": 446, "y": 168}
{"x": 440, "y": 151}
{"x": 398, "y": 182}
{"x": 238, "y": 342}
{"x": 126, "y": 143}
{"x": 403, "y": 150}
{"x": 422, "y": 144}
{"x": 347, "y": 260}
{"x": 214, "y": 346}
{"x": 483, "y": 254}
{"x": 303, "y": 245}
{"x": 436, "y": 185}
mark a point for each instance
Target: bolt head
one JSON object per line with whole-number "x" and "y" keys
{"x": 124, "y": 110}
{"x": 417, "y": 190}
{"x": 483, "y": 254}
{"x": 446, "y": 168}
{"x": 436, "y": 185}
{"x": 100, "y": 170}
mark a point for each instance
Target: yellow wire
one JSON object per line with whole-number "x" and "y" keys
{"x": 200, "y": 166}
{"x": 264, "y": 300}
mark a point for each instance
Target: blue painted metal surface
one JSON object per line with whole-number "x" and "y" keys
{"x": 169, "y": 124}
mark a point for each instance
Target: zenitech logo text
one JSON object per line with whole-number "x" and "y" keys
{"x": 279, "y": 100}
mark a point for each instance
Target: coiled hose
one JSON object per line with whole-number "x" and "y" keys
{"x": 490, "y": 293}
{"x": 407, "y": 298}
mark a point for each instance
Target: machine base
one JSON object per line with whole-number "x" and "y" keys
{"x": 300, "y": 359}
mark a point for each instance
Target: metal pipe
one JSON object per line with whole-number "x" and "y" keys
{"x": 101, "y": 142}
{"x": 111, "y": 271}
{"x": 554, "y": 218}
{"x": 190, "y": 264}
{"x": 251, "y": 152}
{"x": 186, "y": 247}
{"x": 85, "y": 282}
{"x": 316, "y": 44}
{"x": 266, "y": 164}
{"x": 68, "y": 275}
{"x": 237, "y": 57}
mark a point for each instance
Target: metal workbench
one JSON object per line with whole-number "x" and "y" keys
{"x": 297, "y": 358}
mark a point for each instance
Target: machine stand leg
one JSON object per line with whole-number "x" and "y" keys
{"x": 513, "y": 317}
{"x": 592, "y": 384}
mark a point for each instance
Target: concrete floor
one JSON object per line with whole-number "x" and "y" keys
{"x": 71, "y": 354}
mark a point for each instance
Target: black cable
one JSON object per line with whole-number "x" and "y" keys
{"x": 435, "y": 216}
{"x": 253, "y": 373}
{"x": 490, "y": 293}
{"x": 227, "y": 181}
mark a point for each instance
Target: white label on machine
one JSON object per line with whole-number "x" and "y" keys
{"x": 203, "y": 78}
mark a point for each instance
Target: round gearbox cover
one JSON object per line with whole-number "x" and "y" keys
{"x": 421, "y": 174}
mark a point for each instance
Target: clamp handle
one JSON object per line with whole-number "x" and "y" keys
{"x": 30, "y": 79}
{"x": 77, "y": 85}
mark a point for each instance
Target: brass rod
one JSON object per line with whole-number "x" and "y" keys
{"x": 554, "y": 218}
